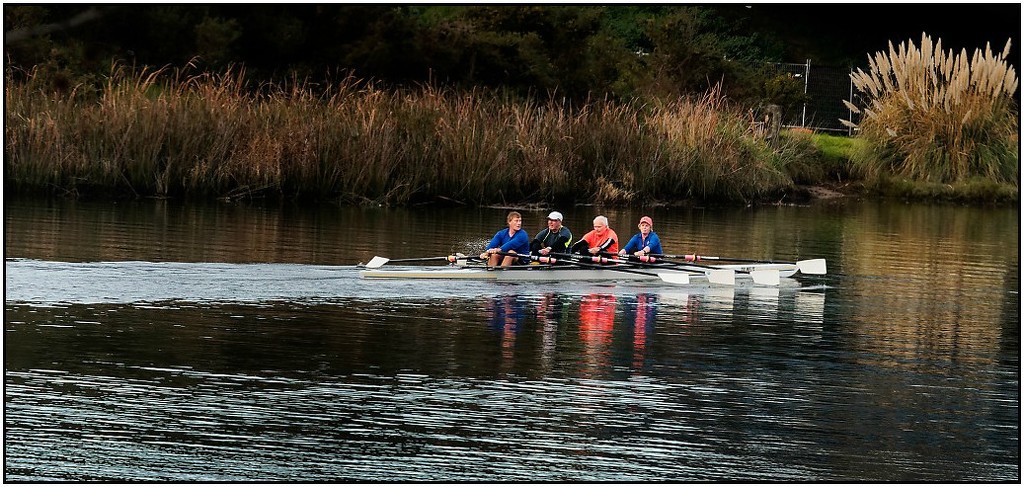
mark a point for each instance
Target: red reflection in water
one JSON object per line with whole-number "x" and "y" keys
{"x": 597, "y": 318}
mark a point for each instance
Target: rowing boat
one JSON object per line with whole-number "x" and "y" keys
{"x": 521, "y": 273}
{"x": 465, "y": 270}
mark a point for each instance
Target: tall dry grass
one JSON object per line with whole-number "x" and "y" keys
{"x": 938, "y": 116}
{"x": 169, "y": 133}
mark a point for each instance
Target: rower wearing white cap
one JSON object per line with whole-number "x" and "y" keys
{"x": 555, "y": 238}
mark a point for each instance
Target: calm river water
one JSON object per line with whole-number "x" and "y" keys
{"x": 156, "y": 341}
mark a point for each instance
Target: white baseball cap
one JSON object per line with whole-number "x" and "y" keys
{"x": 554, "y": 215}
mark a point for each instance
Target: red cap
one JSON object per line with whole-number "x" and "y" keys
{"x": 647, "y": 220}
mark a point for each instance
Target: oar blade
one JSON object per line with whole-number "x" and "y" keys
{"x": 376, "y": 262}
{"x": 680, "y": 278}
{"x": 812, "y": 266}
{"x": 765, "y": 277}
{"x": 722, "y": 276}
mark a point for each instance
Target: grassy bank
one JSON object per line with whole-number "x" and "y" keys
{"x": 169, "y": 134}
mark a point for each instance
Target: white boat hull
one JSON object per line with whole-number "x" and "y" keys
{"x": 546, "y": 273}
{"x": 517, "y": 274}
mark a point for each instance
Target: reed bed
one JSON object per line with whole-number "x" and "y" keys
{"x": 166, "y": 133}
{"x": 939, "y": 116}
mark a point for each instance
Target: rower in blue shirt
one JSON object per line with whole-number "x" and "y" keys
{"x": 644, "y": 243}
{"x": 508, "y": 240}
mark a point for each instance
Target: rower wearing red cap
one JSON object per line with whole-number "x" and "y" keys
{"x": 644, "y": 243}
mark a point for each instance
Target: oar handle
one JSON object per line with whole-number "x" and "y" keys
{"x": 601, "y": 258}
{"x": 686, "y": 257}
{"x": 646, "y": 259}
{"x": 600, "y": 262}
{"x": 664, "y": 259}
{"x": 554, "y": 258}
{"x": 543, "y": 259}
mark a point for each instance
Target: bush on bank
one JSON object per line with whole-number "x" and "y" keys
{"x": 166, "y": 133}
{"x": 937, "y": 117}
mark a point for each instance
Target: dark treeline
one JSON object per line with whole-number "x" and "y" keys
{"x": 576, "y": 52}
{"x": 572, "y": 51}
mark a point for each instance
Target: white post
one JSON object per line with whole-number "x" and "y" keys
{"x": 807, "y": 74}
{"x": 849, "y": 130}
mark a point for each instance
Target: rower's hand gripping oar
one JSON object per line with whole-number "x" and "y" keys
{"x": 377, "y": 261}
{"x": 810, "y": 266}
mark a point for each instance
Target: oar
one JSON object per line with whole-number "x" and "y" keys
{"x": 715, "y": 275}
{"x": 669, "y": 277}
{"x": 377, "y": 261}
{"x": 542, "y": 259}
{"x": 810, "y": 266}
{"x": 765, "y": 277}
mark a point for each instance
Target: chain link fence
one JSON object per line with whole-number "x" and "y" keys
{"x": 825, "y": 88}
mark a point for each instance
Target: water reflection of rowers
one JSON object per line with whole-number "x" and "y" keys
{"x": 597, "y": 319}
{"x": 642, "y": 317}
{"x": 506, "y": 319}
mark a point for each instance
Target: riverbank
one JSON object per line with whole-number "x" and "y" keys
{"x": 167, "y": 134}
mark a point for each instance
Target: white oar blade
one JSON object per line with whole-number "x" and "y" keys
{"x": 675, "y": 278}
{"x": 765, "y": 277}
{"x": 813, "y": 266}
{"x": 722, "y": 276}
{"x": 376, "y": 262}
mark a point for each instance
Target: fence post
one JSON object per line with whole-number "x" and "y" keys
{"x": 807, "y": 76}
{"x": 774, "y": 122}
{"x": 849, "y": 130}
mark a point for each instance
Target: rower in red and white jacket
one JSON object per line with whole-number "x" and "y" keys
{"x": 600, "y": 239}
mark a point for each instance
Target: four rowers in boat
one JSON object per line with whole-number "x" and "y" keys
{"x": 555, "y": 239}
